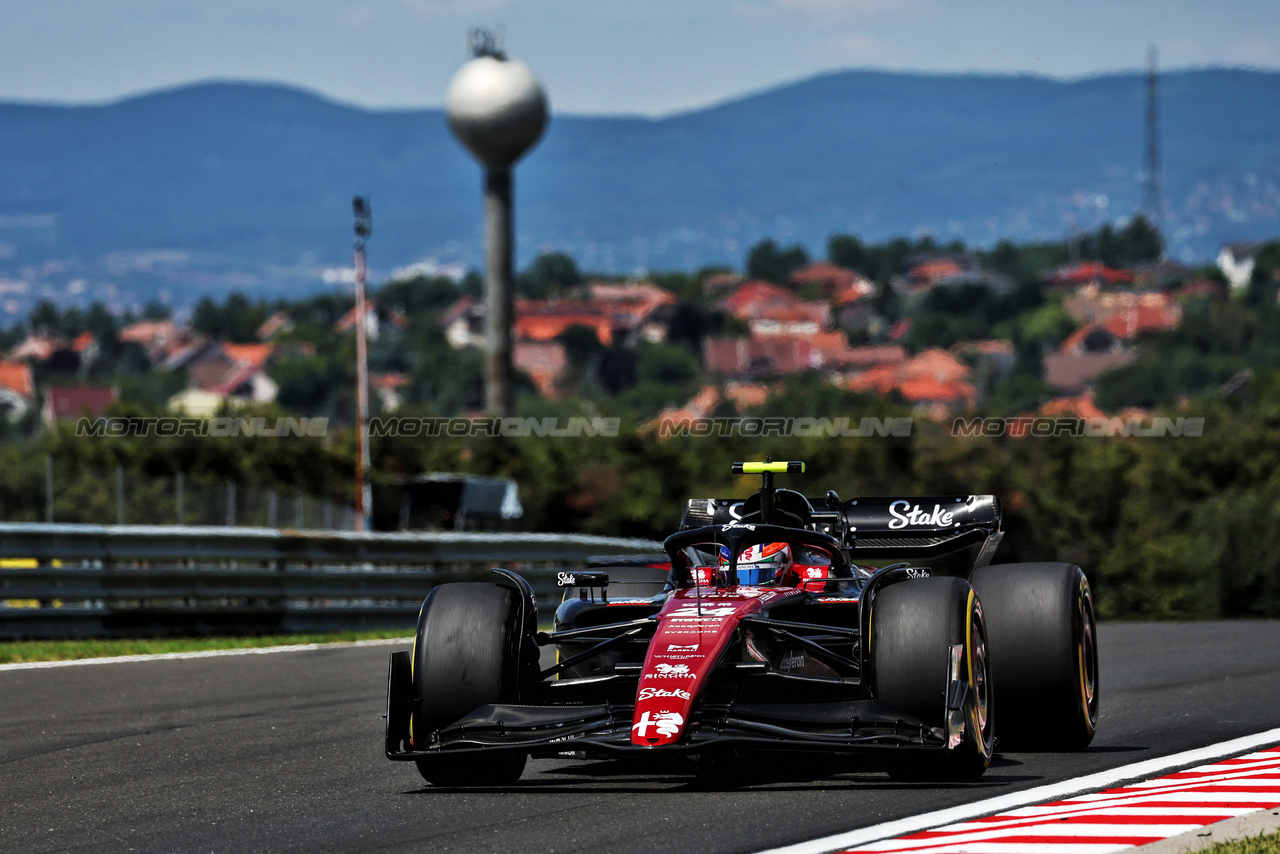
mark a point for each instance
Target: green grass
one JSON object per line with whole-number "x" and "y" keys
{"x": 12, "y": 652}
{"x": 1261, "y": 844}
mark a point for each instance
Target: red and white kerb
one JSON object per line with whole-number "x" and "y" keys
{"x": 1113, "y": 819}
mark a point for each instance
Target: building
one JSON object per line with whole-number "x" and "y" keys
{"x": 1083, "y": 357}
{"x": 544, "y": 362}
{"x": 1088, "y": 273}
{"x": 376, "y": 320}
{"x": 839, "y": 285}
{"x": 227, "y": 371}
{"x": 770, "y": 310}
{"x": 1127, "y": 314}
{"x": 935, "y": 381}
{"x": 1236, "y": 261}
{"x": 73, "y": 403}
{"x": 17, "y": 389}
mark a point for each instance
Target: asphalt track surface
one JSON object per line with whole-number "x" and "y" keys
{"x": 283, "y": 752}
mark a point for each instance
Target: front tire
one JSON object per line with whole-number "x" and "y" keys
{"x": 1044, "y": 641}
{"x": 464, "y": 656}
{"x": 914, "y": 625}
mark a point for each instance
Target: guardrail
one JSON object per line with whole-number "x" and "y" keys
{"x": 100, "y": 580}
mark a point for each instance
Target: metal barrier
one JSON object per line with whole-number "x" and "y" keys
{"x": 103, "y": 580}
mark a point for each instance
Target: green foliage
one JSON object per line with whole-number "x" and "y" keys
{"x": 581, "y": 344}
{"x": 967, "y": 312}
{"x": 154, "y": 310}
{"x": 418, "y": 296}
{"x": 1215, "y": 341}
{"x": 236, "y": 319}
{"x": 550, "y": 274}
{"x": 1137, "y": 242}
{"x": 1019, "y": 393}
{"x": 877, "y": 262}
{"x": 769, "y": 262}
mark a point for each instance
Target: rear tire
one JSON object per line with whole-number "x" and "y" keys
{"x": 464, "y": 657}
{"x": 913, "y": 626}
{"x": 1044, "y": 642}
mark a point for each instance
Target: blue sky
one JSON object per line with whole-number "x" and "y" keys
{"x": 600, "y": 56}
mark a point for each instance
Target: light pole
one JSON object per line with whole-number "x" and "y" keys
{"x": 364, "y": 492}
{"x": 498, "y": 111}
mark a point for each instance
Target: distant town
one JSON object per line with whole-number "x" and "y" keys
{"x": 1053, "y": 329}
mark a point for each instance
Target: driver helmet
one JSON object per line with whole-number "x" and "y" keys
{"x": 760, "y": 563}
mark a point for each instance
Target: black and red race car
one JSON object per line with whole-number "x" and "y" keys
{"x": 873, "y": 628}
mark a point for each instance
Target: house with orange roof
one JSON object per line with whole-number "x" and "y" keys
{"x": 788, "y": 354}
{"x": 229, "y": 370}
{"x": 1079, "y": 406}
{"x": 770, "y": 310}
{"x": 1083, "y": 357}
{"x": 720, "y": 282}
{"x": 37, "y": 348}
{"x": 167, "y": 344}
{"x": 840, "y": 285}
{"x": 743, "y": 396}
{"x": 544, "y": 320}
{"x": 274, "y": 325}
{"x": 545, "y": 363}
{"x": 609, "y": 309}
{"x": 86, "y": 348}
{"x": 17, "y": 389}
{"x": 631, "y": 303}
{"x": 935, "y": 380}
{"x": 150, "y": 334}
{"x": 388, "y": 387}
{"x": 376, "y": 319}
{"x": 1128, "y": 314}
{"x": 1088, "y": 272}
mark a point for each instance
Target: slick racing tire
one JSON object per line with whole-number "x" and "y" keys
{"x": 1044, "y": 644}
{"x": 464, "y": 657}
{"x": 914, "y": 625}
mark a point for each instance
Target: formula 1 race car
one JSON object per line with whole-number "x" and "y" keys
{"x": 874, "y": 629}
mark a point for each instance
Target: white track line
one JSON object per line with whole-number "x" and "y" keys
{"x": 1013, "y": 800}
{"x": 205, "y": 653}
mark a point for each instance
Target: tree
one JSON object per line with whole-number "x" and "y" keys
{"x": 155, "y": 310}
{"x": 767, "y": 261}
{"x": 548, "y": 275}
{"x": 845, "y": 250}
{"x": 581, "y": 344}
{"x": 235, "y": 320}
{"x": 1140, "y": 241}
{"x": 45, "y": 317}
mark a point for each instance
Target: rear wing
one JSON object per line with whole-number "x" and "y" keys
{"x": 949, "y": 533}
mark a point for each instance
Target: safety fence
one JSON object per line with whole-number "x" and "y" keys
{"x": 80, "y": 494}
{"x": 61, "y": 580}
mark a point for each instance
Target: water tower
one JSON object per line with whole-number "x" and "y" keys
{"x": 497, "y": 110}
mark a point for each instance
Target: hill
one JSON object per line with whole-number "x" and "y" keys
{"x": 223, "y": 184}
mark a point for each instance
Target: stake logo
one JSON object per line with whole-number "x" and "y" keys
{"x": 904, "y": 514}
{"x": 650, "y": 693}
